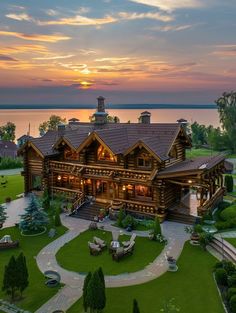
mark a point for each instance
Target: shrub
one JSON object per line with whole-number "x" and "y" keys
{"x": 57, "y": 220}
{"x": 232, "y": 280}
{"x": 120, "y": 218}
{"x": 198, "y": 228}
{"x": 231, "y": 292}
{"x": 129, "y": 221}
{"x": 223, "y": 205}
{"x": 8, "y": 199}
{"x": 229, "y": 183}
{"x": 229, "y": 213}
{"x": 232, "y": 303}
{"x": 221, "y": 276}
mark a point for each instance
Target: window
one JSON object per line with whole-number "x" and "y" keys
{"x": 71, "y": 155}
{"x": 104, "y": 155}
{"x": 143, "y": 191}
{"x": 144, "y": 161}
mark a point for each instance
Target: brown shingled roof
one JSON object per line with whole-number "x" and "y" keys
{"x": 119, "y": 137}
{"x": 198, "y": 164}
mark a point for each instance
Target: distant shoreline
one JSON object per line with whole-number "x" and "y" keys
{"x": 109, "y": 106}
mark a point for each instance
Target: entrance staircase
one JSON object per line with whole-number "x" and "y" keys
{"x": 180, "y": 213}
{"x": 224, "y": 249}
{"x": 88, "y": 210}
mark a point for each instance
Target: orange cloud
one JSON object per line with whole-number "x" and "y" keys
{"x": 79, "y": 20}
{"x": 24, "y": 49}
{"x": 35, "y": 37}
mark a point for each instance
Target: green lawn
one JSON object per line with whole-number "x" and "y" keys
{"x": 194, "y": 153}
{"x": 192, "y": 287}
{"x": 14, "y": 187}
{"x": 232, "y": 241}
{"x": 75, "y": 255}
{"x": 37, "y": 293}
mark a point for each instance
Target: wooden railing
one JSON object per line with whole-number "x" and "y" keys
{"x": 138, "y": 207}
{"x": 89, "y": 171}
{"x": 69, "y": 193}
{"x": 211, "y": 203}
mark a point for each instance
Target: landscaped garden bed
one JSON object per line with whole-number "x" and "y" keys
{"x": 75, "y": 255}
{"x": 36, "y": 293}
{"x": 192, "y": 287}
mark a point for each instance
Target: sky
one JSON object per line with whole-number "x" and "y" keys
{"x": 129, "y": 51}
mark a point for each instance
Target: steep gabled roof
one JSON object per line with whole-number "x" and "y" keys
{"x": 119, "y": 138}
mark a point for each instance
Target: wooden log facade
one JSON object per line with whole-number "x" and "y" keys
{"x": 140, "y": 165}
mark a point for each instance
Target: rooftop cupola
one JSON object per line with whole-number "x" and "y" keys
{"x": 145, "y": 117}
{"x": 101, "y": 115}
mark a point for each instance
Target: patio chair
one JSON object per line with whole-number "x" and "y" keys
{"x": 127, "y": 243}
{"x": 130, "y": 248}
{"x": 118, "y": 254}
{"x": 101, "y": 243}
{"x": 94, "y": 249}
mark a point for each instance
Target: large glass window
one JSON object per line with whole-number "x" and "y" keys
{"x": 143, "y": 191}
{"x": 104, "y": 155}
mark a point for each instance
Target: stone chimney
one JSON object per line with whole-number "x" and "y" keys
{"x": 73, "y": 121}
{"x": 145, "y": 117}
{"x": 101, "y": 115}
{"x": 61, "y": 129}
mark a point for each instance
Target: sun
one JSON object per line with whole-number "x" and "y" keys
{"x": 85, "y": 84}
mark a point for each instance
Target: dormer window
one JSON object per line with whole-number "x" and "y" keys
{"x": 104, "y": 155}
{"x": 70, "y": 155}
{"x": 144, "y": 161}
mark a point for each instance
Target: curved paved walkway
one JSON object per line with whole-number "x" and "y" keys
{"x": 73, "y": 281}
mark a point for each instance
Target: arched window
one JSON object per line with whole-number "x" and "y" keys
{"x": 104, "y": 155}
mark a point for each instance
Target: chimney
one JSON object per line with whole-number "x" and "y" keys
{"x": 101, "y": 104}
{"x": 100, "y": 115}
{"x": 73, "y": 121}
{"x": 61, "y": 129}
{"x": 145, "y": 117}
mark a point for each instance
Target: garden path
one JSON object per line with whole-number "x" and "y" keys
{"x": 11, "y": 171}
{"x": 72, "y": 290}
{"x": 14, "y": 209}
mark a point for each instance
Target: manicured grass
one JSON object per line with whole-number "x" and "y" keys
{"x": 37, "y": 293}
{"x": 194, "y": 153}
{"x": 14, "y": 187}
{"x": 232, "y": 241}
{"x": 75, "y": 255}
{"x": 192, "y": 287}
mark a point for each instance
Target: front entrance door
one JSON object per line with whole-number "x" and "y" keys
{"x": 103, "y": 189}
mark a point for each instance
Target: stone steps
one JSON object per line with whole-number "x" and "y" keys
{"x": 225, "y": 249}
{"x": 89, "y": 211}
{"x": 174, "y": 216}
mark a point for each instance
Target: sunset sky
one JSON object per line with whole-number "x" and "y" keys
{"x": 130, "y": 51}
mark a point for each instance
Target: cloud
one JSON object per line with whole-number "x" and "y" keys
{"x": 55, "y": 57}
{"x": 172, "y": 28}
{"x": 35, "y": 37}
{"x": 79, "y": 20}
{"x": 87, "y": 51}
{"x": 149, "y": 15}
{"x": 231, "y": 52}
{"x": 170, "y": 5}
{"x": 7, "y": 58}
{"x": 20, "y": 17}
{"x": 24, "y": 49}
{"x": 112, "y": 59}
{"x": 51, "y": 12}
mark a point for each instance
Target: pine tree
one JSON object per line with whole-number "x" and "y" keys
{"x": 34, "y": 218}
{"x": 3, "y": 215}
{"x": 86, "y": 281}
{"x": 57, "y": 219}
{"x": 22, "y": 273}
{"x": 46, "y": 200}
{"x": 135, "y": 307}
{"x": 10, "y": 278}
{"x": 95, "y": 293}
{"x": 103, "y": 298}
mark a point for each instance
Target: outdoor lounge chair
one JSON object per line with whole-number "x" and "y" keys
{"x": 127, "y": 243}
{"x": 101, "y": 243}
{"x": 93, "y": 248}
{"x": 121, "y": 252}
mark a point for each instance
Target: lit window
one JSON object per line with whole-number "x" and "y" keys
{"x": 104, "y": 155}
{"x": 144, "y": 161}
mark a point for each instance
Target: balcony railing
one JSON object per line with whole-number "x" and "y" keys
{"x": 210, "y": 203}
{"x": 89, "y": 171}
{"x": 139, "y": 207}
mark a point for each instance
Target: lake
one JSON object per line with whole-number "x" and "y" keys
{"x": 23, "y": 117}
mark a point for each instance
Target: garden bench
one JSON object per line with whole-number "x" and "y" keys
{"x": 101, "y": 243}
{"x": 94, "y": 249}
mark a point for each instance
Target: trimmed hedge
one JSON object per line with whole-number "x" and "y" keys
{"x": 221, "y": 276}
{"x": 229, "y": 213}
{"x": 232, "y": 303}
{"x": 7, "y": 163}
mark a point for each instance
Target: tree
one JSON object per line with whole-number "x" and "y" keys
{"x": 57, "y": 219}
{"x": 199, "y": 134}
{"x": 3, "y": 215}
{"x": 85, "y": 287}
{"x": 227, "y": 112}
{"x": 229, "y": 183}
{"x": 10, "y": 278}
{"x": 156, "y": 229}
{"x": 51, "y": 124}
{"x": 46, "y": 200}
{"x": 135, "y": 307}
{"x": 7, "y": 132}
{"x": 34, "y": 218}
{"x": 95, "y": 293}
{"x": 102, "y": 279}
{"x": 22, "y": 273}
{"x": 113, "y": 119}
